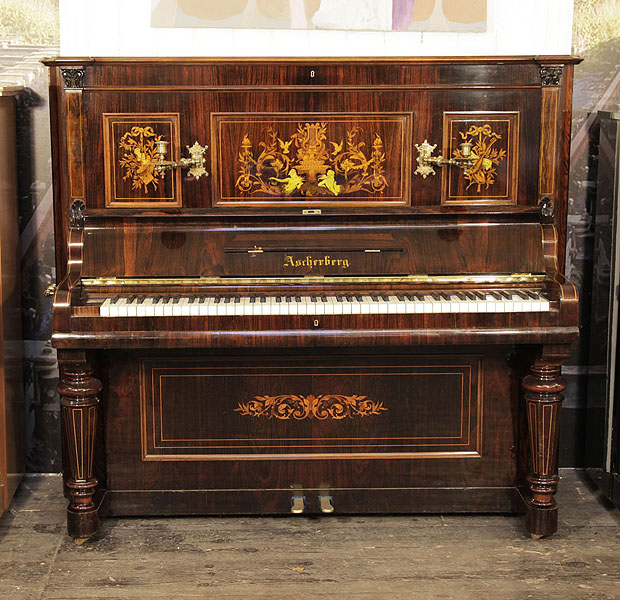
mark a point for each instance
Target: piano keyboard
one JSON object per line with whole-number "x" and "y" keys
{"x": 349, "y": 304}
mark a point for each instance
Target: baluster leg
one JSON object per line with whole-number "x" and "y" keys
{"x": 79, "y": 401}
{"x": 543, "y": 397}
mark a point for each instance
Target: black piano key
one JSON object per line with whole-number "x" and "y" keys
{"x": 115, "y": 299}
{"x": 252, "y": 300}
{"x": 237, "y": 299}
{"x": 175, "y": 300}
{"x": 360, "y": 298}
{"x": 385, "y": 297}
{"x": 263, "y": 299}
{"x": 419, "y": 297}
{"x": 339, "y": 298}
{"x": 480, "y": 296}
{"x": 202, "y": 299}
{"x": 191, "y": 300}
{"x": 461, "y": 296}
{"x": 324, "y": 299}
{"x": 506, "y": 295}
{"x": 313, "y": 299}
{"x": 401, "y": 297}
{"x": 297, "y": 298}
{"x": 289, "y": 299}
{"x": 141, "y": 299}
{"x": 521, "y": 295}
{"x": 278, "y": 298}
{"x": 374, "y": 297}
{"x": 532, "y": 295}
{"x": 444, "y": 296}
{"x": 217, "y": 300}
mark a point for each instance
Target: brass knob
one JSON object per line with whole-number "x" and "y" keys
{"x": 50, "y": 290}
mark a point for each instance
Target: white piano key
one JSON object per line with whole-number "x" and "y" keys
{"x": 121, "y": 306}
{"x": 168, "y": 308}
{"x": 158, "y": 308}
{"x": 104, "y": 309}
{"x": 177, "y": 309}
{"x": 132, "y": 307}
{"x": 239, "y": 307}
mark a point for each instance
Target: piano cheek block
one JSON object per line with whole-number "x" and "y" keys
{"x": 357, "y": 312}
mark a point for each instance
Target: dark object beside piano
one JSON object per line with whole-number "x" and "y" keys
{"x": 336, "y": 319}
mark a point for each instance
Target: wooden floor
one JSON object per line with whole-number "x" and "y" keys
{"x": 439, "y": 557}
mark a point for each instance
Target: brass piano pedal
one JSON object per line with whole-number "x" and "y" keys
{"x": 326, "y": 504}
{"x": 298, "y": 504}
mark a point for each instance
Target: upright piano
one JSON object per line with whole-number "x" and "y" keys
{"x": 311, "y": 285}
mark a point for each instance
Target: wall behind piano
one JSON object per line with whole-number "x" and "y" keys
{"x": 122, "y": 28}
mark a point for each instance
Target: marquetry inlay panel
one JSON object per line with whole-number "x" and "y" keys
{"x": 129, "y": 151}
{"x": 319, "y": 158}
{"x": 493, "y": 179}
{"x": 196, "y": 410}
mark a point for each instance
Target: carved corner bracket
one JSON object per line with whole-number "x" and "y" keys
{"x": 73, "y": 78}
{"x": 551, "y": 75}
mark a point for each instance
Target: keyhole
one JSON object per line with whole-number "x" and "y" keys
{"x": 312, "y": 74}
{"x": 316, "y": 322}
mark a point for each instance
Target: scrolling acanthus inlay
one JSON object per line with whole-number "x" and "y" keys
{"x": 140, "y": 154}
{"x": 331, "y": 406}
{"x": 315, "y": 169}
{"x": 485, "y": 155}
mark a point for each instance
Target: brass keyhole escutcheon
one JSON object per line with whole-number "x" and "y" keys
{"x": 316, "y": 322}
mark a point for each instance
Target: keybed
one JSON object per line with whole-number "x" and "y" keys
{"x": 325, "y": 304}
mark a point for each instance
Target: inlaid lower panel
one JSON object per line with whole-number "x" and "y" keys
{"x": 319, "y": 158}
{"x": 412, "y": 407}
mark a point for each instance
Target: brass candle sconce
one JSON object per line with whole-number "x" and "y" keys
{"x": 195, "y": 163}
{"x": 426, "y": 160}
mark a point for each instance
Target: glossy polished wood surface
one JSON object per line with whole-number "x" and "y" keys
{"x": 314, "y": 188}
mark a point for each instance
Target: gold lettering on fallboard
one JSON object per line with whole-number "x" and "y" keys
{"x": 309, "y": 261}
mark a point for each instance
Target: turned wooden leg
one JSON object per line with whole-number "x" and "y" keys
{"x": 79, "y": 401}
{"x": 543, "y": 397}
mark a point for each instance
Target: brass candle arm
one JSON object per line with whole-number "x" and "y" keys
{"x": 426, "y": 160}
{"x": 195, "y": 163}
